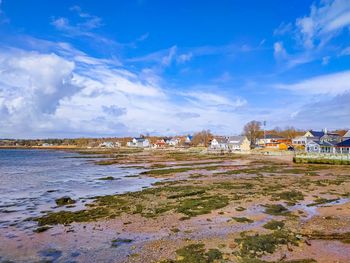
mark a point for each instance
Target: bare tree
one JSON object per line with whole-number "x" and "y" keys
{"x": 252, "y": 130}
{"x": 289, "y": 132}
{"x": 202, "y": 138}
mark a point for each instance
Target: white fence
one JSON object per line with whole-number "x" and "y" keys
{"x": 328, "y": 156}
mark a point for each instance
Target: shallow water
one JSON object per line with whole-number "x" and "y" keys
{"x": 31, "y": 180}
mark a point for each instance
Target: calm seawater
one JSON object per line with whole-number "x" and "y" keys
{"x": 31, "y": 180}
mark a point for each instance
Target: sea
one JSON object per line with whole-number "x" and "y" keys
{"x": 31, "y": 181}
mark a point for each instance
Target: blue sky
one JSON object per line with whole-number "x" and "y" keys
{"x": 82, "y": 68}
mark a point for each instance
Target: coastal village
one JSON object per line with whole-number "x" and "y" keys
{"x": 310, "y": 142}
{"x": 312, "y": 146}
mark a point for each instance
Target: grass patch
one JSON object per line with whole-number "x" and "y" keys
{"x": 41, "y": 229}
{"x": 203, "y": 205}
{"x": 160, "y": 172}
{"x": 291, "y": 196}
{"x": 196, "y": 253}
{"x": 274, "y": 225}
{"x": 255, "y": 246}
{"x": 68, "y": 217}
{"x": 343, "y": 237}
{"x": 242, "y": 220}
{"x": 321, "y": 161}
{"x": 276, "y": 210}
{"x": 321, "y": 201}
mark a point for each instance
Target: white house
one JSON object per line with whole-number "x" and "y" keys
{"x": 188, "y": 139}
{"x": 172, "y": 141}
{"x": 343, "y": 147}
{"x": 238, "y": 143}
{"x": 312, "y": 147}
{"x": 320, "y": 147}
{"x": 300, "y": 140}
{"x": 139, "y": 142}
{"x": 219, "y": 143}
{"x": 230, "y": 143}
{"x": 110, "y": 145}
{"x": 269, "y": 138}
{"x": 315, "y": 134}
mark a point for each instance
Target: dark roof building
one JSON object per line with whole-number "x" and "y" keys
{"x": 317, "y": 133}
{"x": 344, "y": 144}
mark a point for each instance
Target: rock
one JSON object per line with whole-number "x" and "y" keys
{"x": 283, "y": 257}
{"x": 65, "y": 200}
{"x": 307, "y": 242}
{"x": 232, "y": 245}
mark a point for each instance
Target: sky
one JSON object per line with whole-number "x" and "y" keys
{"x": 88, "y": 68}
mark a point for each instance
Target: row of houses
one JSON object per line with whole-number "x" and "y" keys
{"x": 230, "y": 144}
{"x": 274, "y": 142}
{"x": 312, "y": 141}
{"x": 325, "y": 142}
{"x": 142, "y": 142}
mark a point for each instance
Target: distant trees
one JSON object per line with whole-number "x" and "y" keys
{"x": 202, "y": 138}
{"x": 252, "y": 130}
{"x": 288, "y": 132}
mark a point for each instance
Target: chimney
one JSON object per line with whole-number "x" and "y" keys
{"x": 325, "y": 130}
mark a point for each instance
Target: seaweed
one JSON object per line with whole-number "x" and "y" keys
{"x": 276, "y": 210}
{"x": 203, "y": 205}
{"x": 274, "y": 225}
{"x": 65, "y": 200}
{"x": 242, "y": 220}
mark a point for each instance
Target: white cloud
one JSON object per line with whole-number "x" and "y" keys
{"x": 325, "y": 60}
{"x": 184, "y": 57}
{"x": 68, "y": 93}
{"x": 88, "y": 22}
{"x": 165, "y": 57}
{"x": 279, "y": 50}
{"x": 332, "y": 84}
{"x": 345, "y": 51}
{"x": 330, "y": 112}
{"x": 283, "y": 28}
{"x": 213, "y": 101}
{"x": 314, "y": 36}
{"x": 324, "y": 22}
{"x": 167, "y": 60}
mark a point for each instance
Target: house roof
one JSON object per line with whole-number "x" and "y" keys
{"x": 347, "y": 134}
{"x": 323, "y": 143}
{"x": 331, "y": 134}
{"x": 313, "y": 142}
{"x": 317, "y": 133}
{"x": 272, "y": 136}
{"x": 235, "y": 139}
{"x": 140, "y": 139}
{"x": 221, "y": 139}
{"x": 327, "y": 143}
{"x": 345, "y": 143}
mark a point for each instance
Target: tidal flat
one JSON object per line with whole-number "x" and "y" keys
{"x": 190, "y": 207}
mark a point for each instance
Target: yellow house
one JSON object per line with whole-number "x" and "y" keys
{"x": 238, "y": 143}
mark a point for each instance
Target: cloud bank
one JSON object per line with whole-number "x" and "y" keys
{"x": 68, "y": 93}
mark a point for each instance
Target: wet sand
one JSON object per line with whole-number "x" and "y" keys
{"x": 249, "y": 183}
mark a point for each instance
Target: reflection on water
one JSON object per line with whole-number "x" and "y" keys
{"x": 31, "y": 180}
